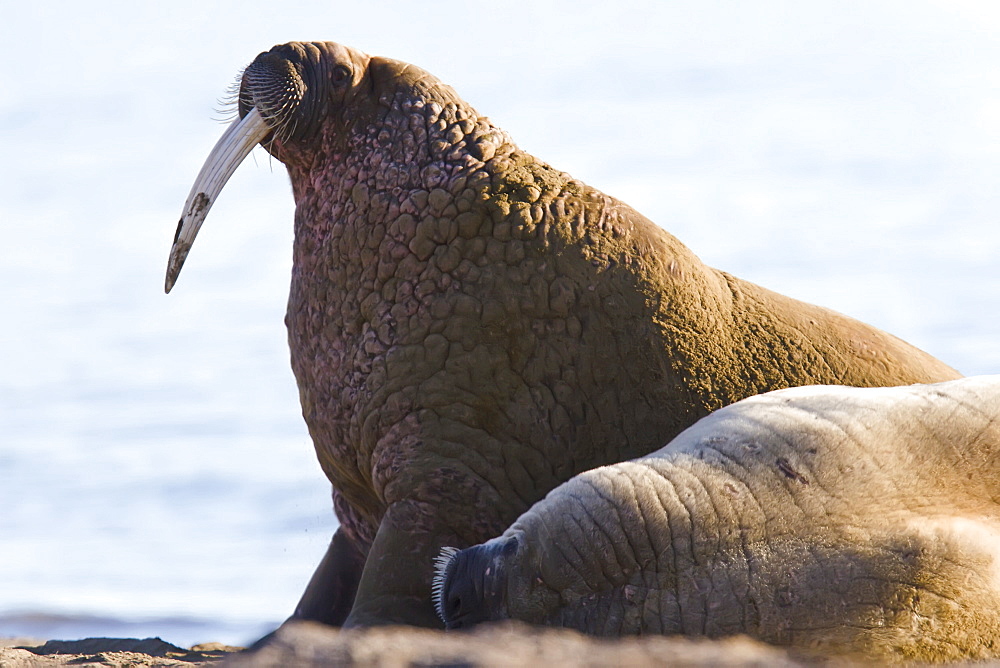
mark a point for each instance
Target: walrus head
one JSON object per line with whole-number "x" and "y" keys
{"x": 297, "y": 99}
{"x": 470, "y": 586}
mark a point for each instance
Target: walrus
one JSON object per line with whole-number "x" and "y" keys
{"x": 470, "y": 327}
{"x": 860, "y": 521}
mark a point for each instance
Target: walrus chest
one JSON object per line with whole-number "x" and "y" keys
{"x": 518, "y": 365}
{"x": 362, "y": 315}
{"x": 518, "y": 340}
{"x": 334, "y": 350}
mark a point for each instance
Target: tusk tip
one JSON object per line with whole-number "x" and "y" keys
{"x": 178, "y": 253}
{"x": 234, "y": 145}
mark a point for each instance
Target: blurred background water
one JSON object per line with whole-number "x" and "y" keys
{"x": 155, "y": 475}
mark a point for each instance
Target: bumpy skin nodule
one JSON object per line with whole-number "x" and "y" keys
{"x": 861, "y": 521}
{"x": 470, "y": 327}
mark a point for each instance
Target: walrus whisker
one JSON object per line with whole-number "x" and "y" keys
{"x": 228, "y": 106}
{"x": 269, "y": 147}
{"x": 290, "y": 129}
{"x": 442, "y": 563}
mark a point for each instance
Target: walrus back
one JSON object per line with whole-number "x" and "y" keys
{"x": 726, "y": 339}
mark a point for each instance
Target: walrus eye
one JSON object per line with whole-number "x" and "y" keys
{"x": 341, "y": 75}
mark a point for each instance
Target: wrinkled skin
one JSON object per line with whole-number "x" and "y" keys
{"x": 470, "y": 327}
{"x": 858, "y": 521}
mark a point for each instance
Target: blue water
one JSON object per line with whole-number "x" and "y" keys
{"x": 155, "y": 474}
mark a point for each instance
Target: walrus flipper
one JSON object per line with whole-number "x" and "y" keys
{"x": 331, "y": 590}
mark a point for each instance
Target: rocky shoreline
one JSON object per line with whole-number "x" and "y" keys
{"x": 312, "y": 645}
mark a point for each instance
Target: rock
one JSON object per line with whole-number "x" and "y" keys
{"x": 506, "y": 644}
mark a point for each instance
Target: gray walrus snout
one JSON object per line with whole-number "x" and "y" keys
{"x": 271, "y": 84}
{"x": 289, "y": 86}
{"x": 470, "y": 586}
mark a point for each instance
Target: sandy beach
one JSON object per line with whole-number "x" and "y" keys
{"x": 507, "y": 644}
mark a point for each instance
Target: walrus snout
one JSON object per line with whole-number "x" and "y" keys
{"x": 470, "y": 586}
{"x": 295, "y": 86}
{"x": 275, "y": 87}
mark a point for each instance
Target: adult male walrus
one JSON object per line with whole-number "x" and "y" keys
{"x": 845, "y": 520}
{"x": 470, "y": 327}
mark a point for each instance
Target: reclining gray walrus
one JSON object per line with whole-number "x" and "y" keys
{"x": 470, "y": 327}
{"x": 842, "y": 519}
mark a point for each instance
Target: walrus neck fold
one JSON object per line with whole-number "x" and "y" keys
{"x": 387, "y": 161}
